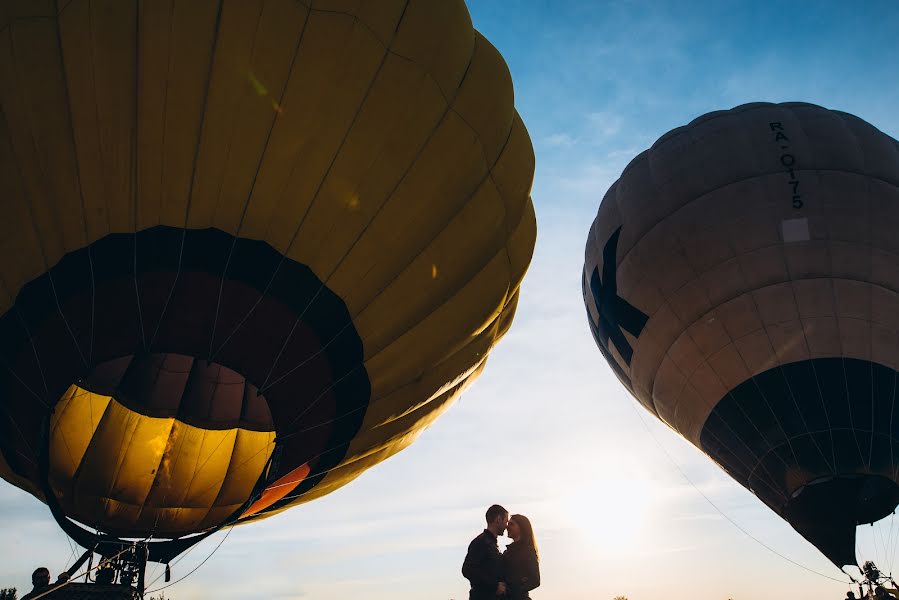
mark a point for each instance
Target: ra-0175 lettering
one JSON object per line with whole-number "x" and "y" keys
{"x": 788, "y": 161}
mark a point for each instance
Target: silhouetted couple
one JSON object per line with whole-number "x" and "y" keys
{"x": 510, "y": 575}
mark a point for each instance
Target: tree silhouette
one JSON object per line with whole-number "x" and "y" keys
{"x": 620, "y": 598}
{"x": 8, "y": 594}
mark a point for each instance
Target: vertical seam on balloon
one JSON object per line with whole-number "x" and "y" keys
{"x": 728, "y": 393}
{"x": 156, "y": 472}
{"x": 308, "y": 208}
{"x": 15, "y": 424}
{"x": 826, "y": 415}
{"x": 21, "y": 381}
{"x": 696, "y": 276}
{"x": 510, "y": 230}
{"x": 65, "y": 442}
{"x": 286, "y": 434}
{"x": 56, "y": 428}
{"x": 402, "y": 270}
{"x": 159, "y": 508}
{"x": 227, "y": 473}
{"x": 769, "y": 483}
{"x": 758, "y": 457}
{"x": 71, "y": 394}
{"x": 221, "y": 483}
{"x": 37, "y": 358}
{"x": 232, "y": 122}
{"x": 187, "y": 496}
{"x": 830, "y": 265}
{"x": 346, "y": 134}
{"x": 76, "y": 475}
{"x": 487, "y": 175}
{"x": 787, "y": 381}
{"x": 125, "y": 443}
{"x": 870, "y": 236}
{"x": 752, "y": 298}
{"x": 199, "y": 467}
{"x": 212, "y": 54}
{"x": 12, "y": 48}
{"x": 165, "y": 108}
{"x": 430, "y": 136}
{"x": 843, "y": 369}
{"x": 3, "y": 360}
{"x": 87, "y": 239}
{"x": 134, "y": 166}
{"x": 37, "y": 237}
{"x": 99, "y": 149}
{"x": 290, "y": 499}
{"x": 246, "y": 207}
{"x": 790, "y": 281}
{"x": 59, "y": 10}
{"x": 811, "y": 160}
{"x": 234, "y": 469}
{"x": 38, "y": 240}
{"x": 179, "y": 410}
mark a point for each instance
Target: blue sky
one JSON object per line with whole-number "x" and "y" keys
{"x": 547, "y": 430}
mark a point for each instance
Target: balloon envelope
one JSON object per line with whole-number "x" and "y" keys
{"x": 249, "y": 249}
{"x": 741, "y": 280}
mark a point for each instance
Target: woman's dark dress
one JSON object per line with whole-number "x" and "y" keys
{"x": 521, "y": 571}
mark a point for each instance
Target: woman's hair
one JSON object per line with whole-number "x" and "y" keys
{"x": 527, "y": 532}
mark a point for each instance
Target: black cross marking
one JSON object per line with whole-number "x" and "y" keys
{"x": 615, "y": 313}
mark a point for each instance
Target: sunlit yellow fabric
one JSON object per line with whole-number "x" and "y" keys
{"x": 155, "y": 474}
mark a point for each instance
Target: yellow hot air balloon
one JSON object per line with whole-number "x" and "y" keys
{"x": 742, "y": 280}
{"x": 250, "y": 249}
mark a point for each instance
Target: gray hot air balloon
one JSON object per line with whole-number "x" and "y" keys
{"x": 741, "y": 280}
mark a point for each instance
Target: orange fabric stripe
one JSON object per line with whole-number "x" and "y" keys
{"x": 278, "y": 490}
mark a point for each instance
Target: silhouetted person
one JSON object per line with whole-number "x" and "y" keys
{"x": 105, "y": 575}
{"x": 521, "y": 560}
{"x": 483, "y": 565}
{"x": 40, "y": 581}
{"x": 850, "y": 596}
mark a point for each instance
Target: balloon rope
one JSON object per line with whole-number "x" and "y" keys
{"x": 895, "y": 545}
{"x": 715, "y": 506}
{"x": 222, "y": 541}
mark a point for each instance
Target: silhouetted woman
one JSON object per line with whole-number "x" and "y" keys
{"x": 521, "y": 560}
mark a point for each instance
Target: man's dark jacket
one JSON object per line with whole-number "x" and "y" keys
{"x": 483, "y": 567}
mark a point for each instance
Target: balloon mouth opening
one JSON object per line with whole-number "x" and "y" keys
{"x": 866, "y": 498}
{"x": 827, "y": 510}
{"x": 161, "y": 445}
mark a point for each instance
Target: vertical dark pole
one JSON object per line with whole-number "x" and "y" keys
{"x": 141, "y": 555}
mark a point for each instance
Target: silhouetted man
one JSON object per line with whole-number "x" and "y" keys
{"x": 483, "y": 564}
{"x": 40, "y": 580}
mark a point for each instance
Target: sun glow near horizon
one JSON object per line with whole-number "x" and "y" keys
{"x": 611, "y": 507}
